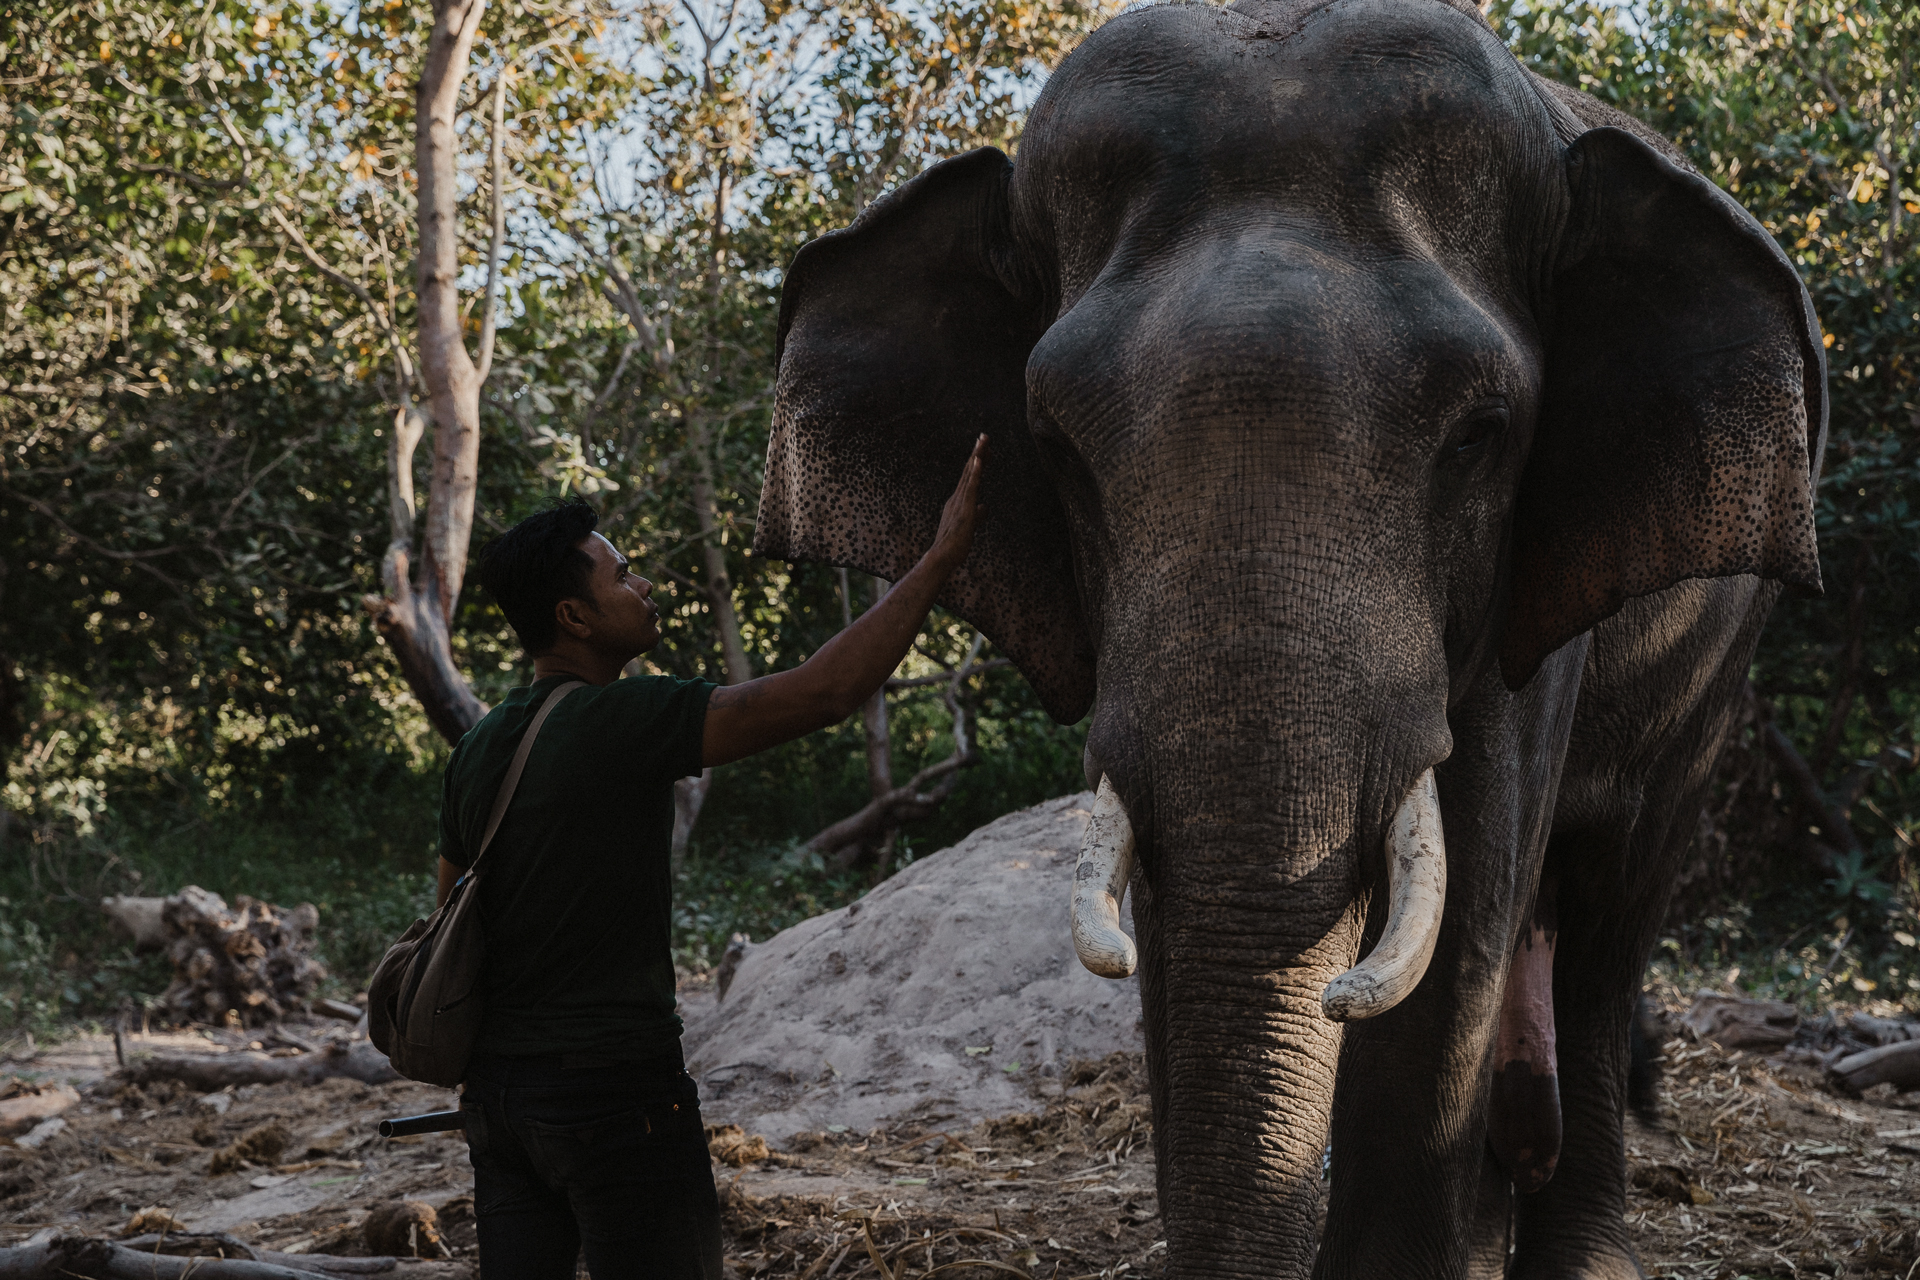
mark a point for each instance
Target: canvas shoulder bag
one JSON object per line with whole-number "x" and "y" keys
{"x": 423, "y": 1005}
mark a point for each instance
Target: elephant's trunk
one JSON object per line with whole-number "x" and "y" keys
{"x": 1242, "y": 1063}
{"x": 1417, "y": 890}
{"x": 1260, "y": 809}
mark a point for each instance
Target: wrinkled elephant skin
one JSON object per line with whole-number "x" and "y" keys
{"x": 1361, "y": 405}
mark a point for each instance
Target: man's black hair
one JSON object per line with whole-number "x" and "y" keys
{"x": 535, "y": 565}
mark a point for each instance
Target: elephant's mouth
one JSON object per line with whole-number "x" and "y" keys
{"x": 1417, "y": 893}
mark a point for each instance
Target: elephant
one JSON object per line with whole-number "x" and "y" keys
{"x": 1396, "y": 454}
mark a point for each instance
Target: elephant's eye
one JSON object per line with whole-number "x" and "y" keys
{"x": 1474, "y": 437}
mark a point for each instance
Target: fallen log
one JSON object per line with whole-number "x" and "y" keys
{"x": 212, "y": 1244}
{"x": 1733, "y": 1022}
{"x": 1896, "y": 1064}
{"x": 339, "y": 1009}
{"x": 210, "y": 1073}
{"x": 34, "y": 1104}
{"x": 53, "y": 1256}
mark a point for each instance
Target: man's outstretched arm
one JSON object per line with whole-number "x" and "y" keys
{"x": 830, "y": 686}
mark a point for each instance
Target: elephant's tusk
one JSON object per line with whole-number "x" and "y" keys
{"x": 1099, "y": 882}
{"x": 1417, "y": 891}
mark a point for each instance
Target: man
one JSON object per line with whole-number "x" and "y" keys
{"x": 584, "y": 1126}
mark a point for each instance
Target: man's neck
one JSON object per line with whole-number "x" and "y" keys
{"x": 578, "y": 662}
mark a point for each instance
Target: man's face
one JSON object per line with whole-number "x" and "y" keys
{"x": 625, "y": 616}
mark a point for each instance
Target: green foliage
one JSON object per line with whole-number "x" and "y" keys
{"x": 758, "y": 894}
{"x": 1815, "y": 964}
{"x": 42, "y": 990}
{"x": 362, "y": 851}
{"x": 1805, "y": 112}
{"x": 206, "y": 230}
{"x": 205, "y": 246}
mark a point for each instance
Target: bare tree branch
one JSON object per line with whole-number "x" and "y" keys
{"x": 923, "y": 793}
{"x": 489, "y": 304}
{"x": 1836, "y": 836}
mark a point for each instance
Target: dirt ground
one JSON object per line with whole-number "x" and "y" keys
{"x": 1754, "y": 1169}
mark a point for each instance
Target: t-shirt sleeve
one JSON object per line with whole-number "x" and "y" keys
{"x": 670, "y": 718}
{"x": 451, "y": 846}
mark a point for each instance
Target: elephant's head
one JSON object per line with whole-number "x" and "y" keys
{"x": 1329, "y": 359}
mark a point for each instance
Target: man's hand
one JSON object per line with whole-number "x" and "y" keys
{"x": 954, "y": 538}
{"x": 830, "y": 686}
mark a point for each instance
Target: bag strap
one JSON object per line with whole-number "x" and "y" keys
{"x": 514, "y": 770}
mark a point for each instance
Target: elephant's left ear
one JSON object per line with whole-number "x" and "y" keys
{"x": 1684, "y": 408}
{"x": 902, "y": 339}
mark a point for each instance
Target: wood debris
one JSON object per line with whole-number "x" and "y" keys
{"x": 406, "y": 1229}
{"x": 1755, "y": 1171}
{"x": 1733, "y": 1022}
{"x": 251, "y": 963}
{"x": 24, "y": 1104}
{"x": 260, "y": 1145}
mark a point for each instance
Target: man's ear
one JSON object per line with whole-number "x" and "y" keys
{"x": 1684, "y": 408}
{"x": 903, "y": 338}
{"x": 573, "y": 617}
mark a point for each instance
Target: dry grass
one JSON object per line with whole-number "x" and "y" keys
{"x": 1757, "y": 1170}
{"x": 1754, "y": 1170}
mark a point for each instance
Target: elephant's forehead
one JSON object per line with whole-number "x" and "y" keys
{"x": 1402, "y": 120}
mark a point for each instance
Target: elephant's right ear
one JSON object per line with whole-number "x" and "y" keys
{"x": 902, "y": 339}
{"x": 1684, "y": 407}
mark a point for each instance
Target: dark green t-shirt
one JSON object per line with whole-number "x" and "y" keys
{"x": 577, "y": 889}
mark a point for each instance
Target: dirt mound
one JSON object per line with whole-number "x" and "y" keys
{"x": 949, "y": 992}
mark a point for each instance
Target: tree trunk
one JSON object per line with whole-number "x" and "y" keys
{"x": 922, "y": 794}
{"x": 10, "y": 702}
{"x": 1837, "y": 836}
{"x": 452, "y": 379}
{"x": 690, "y": 794}
{"x": 718, "y": 587}
{"x": 415, "y": 615}
{"x": 874, "y": 717}
{"x": 689, "y": 797}
{"x": 875, "y": 826}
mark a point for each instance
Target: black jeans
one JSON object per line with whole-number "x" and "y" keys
{"x": 610, "y": 1157}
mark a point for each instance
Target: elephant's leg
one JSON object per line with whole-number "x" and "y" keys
{"x": 1660, "y": 696}
{"x": 1408, "y": 1128}
{"x": 1492, "y": 1223}
{"x": 1409, "y": 1119}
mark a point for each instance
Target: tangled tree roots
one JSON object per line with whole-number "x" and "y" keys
{"x": 250, "y": 962}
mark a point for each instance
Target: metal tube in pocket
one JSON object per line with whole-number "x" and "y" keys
{"x": 432, "y": 1122}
